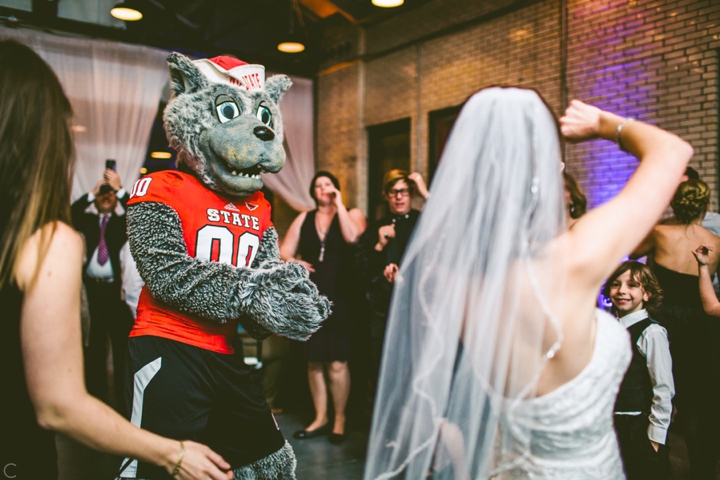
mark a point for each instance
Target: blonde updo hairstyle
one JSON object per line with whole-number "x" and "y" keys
{"x": 691, "y": 200}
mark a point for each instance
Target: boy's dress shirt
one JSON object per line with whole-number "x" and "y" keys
{"x": 654, "y": 345}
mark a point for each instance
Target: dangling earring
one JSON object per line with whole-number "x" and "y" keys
{"x": 572, "y": 208}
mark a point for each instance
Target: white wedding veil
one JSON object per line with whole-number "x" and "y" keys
{"x": 472, "y": 319}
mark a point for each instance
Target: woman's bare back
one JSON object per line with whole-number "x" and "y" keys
{"x": 674, "y": 244}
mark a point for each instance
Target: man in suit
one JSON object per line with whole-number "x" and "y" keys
{"x": 100, "y": 217}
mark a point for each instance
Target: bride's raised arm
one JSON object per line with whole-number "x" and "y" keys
{"x": 606, "y": 234}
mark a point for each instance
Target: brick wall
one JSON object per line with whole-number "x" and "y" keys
{"x": 338, "y": 127}
{"x": 409, "y": 69}
{"x": 655, "y": 60}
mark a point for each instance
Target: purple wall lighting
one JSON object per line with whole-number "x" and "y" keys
{"x": 616, "y": 88}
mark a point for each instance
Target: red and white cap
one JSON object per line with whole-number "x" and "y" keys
{"x": 231, "y": 71}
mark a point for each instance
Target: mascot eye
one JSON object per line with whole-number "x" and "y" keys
{"x": 227, "y": 111}
{"x": 264, "y": 115}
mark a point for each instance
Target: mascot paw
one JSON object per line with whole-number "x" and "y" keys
{"x": 276, "y": 466}
{"x": 285, "y": 302}
{"x": 253, "y": 328}
{"x": 305, "y": 309}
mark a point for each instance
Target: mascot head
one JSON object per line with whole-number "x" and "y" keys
{"x": 224, "y": 122}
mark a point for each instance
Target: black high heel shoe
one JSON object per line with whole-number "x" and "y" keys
{"x": 305, "y": 434}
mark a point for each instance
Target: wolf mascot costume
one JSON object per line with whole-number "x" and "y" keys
{"x": 205, "y": 246}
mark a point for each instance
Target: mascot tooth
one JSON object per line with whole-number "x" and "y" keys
{"x": 206, "y": 248}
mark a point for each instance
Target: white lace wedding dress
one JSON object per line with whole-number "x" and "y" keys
{"x": 572, "y": 435}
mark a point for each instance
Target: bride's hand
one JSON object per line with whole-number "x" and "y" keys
{"x": 581, "y": 122}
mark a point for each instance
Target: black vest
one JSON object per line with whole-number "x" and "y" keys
{"x": 636, "y": 392}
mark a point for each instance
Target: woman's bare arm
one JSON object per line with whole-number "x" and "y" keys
{"x": 291, "y": 242}
{"x": 624, "y": 222}
{"x": 289, "y": 245}
{"x": 52, "y": 356}
{"x": 352, "y": 222}
{"x": 710, "y": 302}
{"x": 645, "y": 247}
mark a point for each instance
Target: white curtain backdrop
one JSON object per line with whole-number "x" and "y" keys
{"x": 292, "y": 183}
{"x": 114, "y": 90}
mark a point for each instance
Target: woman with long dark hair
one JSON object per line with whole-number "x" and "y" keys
{"x": 40, "y": 282}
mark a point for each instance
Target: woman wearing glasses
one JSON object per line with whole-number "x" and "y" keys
{"x": 382, "y": 247}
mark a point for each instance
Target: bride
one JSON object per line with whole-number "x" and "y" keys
{"x": 496, "y": 362}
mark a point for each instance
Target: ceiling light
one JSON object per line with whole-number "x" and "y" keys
{"x": 291, "y": 47}
{"x": 122, "y": 11}
{"x": 79, "y": 128}
{"x": 387, "y": 3}
{"x": 161, "y": 155}
{"x": 292, "y": 42}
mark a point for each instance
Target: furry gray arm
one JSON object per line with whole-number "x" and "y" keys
{"x": 270, "y": 297}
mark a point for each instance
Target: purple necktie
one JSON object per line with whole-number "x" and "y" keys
{"x": 103, "y": 254}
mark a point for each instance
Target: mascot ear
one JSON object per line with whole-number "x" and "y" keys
{"x": 185, "y": 77}
{"x": 276, "y": 85}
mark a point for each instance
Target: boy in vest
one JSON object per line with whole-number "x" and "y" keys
{"x": 644, "y": 403}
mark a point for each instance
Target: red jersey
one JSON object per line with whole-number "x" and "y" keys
{"x": 215, "y": 229}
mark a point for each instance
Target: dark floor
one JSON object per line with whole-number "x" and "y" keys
{"x": 678, "y": 458}
{"x": 317, "y": 458}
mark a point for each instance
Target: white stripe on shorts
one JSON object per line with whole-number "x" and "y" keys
{"x": 142, "y": 379}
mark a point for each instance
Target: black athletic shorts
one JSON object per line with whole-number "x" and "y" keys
{"x": 188, "y": 393}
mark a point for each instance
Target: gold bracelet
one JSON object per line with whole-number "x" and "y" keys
{"x": 179, "y": 462}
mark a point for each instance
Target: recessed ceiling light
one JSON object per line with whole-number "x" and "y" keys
{"x": 291, "y": 47}
{"x": 123, "y": 12}
{"x": 79, "y": 128}
{"x": 387, "y": 3}
{"x": 162, "y": 155}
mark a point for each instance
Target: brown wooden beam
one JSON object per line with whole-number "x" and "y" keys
{"x": 326, "y": 8}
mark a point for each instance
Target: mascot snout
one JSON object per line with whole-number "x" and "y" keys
{"x": 238, "y": 152}
{"x": 264, "y": 133}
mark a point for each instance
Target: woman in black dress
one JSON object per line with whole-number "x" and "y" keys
{"x": 693, "y": 335}
{"x": 319, "y": 240}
